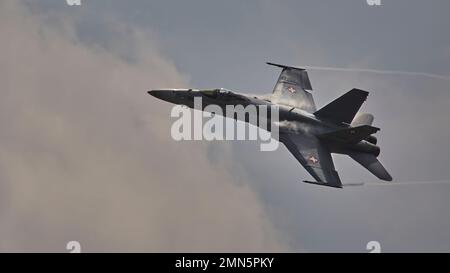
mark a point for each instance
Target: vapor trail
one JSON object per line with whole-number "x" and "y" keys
{"x": 413, "y": 182}
{"x": 432, "y": 182}
{"x": 385, "y": 72}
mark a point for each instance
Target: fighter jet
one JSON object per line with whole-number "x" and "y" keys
{"x": 311, "y": 135}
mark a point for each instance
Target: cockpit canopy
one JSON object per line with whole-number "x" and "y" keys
{"x": 213, "y": 93}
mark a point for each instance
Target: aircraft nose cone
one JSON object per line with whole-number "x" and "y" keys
{"x": 165, "y": 95}
{"x": 157, "y": 93}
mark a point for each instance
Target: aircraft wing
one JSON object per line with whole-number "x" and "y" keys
{"x": 293, "y": 88}
{"x": 315, "y": 158}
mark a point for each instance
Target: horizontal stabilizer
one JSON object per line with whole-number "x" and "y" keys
{"x": 344, "y": 108}
{"x": 350, "y": 135}
{"x": 371, "y": 163}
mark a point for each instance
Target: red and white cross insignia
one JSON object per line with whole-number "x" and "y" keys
{"x": 291, "y": 89}
{"x": 313, "y": 159}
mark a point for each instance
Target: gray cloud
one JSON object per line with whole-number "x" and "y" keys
{"x": 86, "y": 154}
{"x": 219, "y": 44}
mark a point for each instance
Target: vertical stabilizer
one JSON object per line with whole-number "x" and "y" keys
{"x": 344, "y": 108}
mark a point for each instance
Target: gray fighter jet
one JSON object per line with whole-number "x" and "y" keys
{"x": 311, "y": 135}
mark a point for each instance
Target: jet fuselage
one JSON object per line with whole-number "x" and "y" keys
{"x": 291, "y": 119}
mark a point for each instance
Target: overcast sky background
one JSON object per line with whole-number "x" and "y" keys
{"x": 86, "y": 155}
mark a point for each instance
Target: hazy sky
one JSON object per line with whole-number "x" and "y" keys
{"x": 87, "y": 155}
